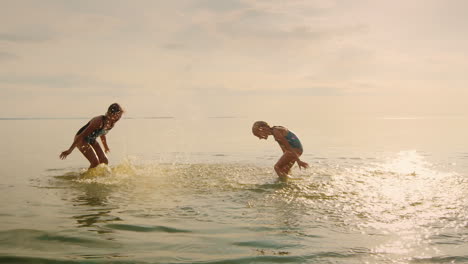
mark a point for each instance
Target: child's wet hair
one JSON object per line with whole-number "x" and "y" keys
{"x": 259, "y": 124}
{"x": 114, "y": 108}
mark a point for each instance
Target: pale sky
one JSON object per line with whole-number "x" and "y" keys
{"x": 198, "y": 58}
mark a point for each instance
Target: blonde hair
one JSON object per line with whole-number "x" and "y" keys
{"x": 259, "y": 124}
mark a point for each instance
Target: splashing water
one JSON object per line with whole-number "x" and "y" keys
{"x": 396, "y": 210}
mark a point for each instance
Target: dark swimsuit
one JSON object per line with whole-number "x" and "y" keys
{"x": 293, "y": 140}
{"x": 91, "y": 138}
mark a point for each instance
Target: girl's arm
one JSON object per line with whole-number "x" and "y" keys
{"x": 104, "y": 143}
{"x": 93, "y": 124}
{"x": 302, "y": 164}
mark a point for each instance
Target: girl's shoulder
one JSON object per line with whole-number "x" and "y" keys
{"x": 279, "y": 130}
{"x": 97, "y": 120}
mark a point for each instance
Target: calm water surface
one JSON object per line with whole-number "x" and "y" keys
{"x": 379, "y": 190}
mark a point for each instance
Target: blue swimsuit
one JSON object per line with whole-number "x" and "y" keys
{"x": 293, "y": 140}
{"x": 91, "y": 138}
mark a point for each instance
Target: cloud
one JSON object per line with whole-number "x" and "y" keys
{"x": 293, "y": 33}
{"x": 24, "y": 37}
{"x": 174, "y": 46}
{"x": 220, "y": 6}
{"x": 59, "y": 81}
{"x": 6, "y": 56}
{"x": 315, "y": 91}
{"x": 323, "y": 90}
{"x": 307, "y": 91}
{"x": 328, "y": 49}
{"x": 61, "y": 84}
{"x": 250, "y": 27}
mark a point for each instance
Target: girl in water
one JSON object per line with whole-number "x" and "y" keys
{"x": 289, "y": 143}
{"x": 85, "y": 138}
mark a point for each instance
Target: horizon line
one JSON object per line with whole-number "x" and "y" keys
{"x": 86, "y": 118}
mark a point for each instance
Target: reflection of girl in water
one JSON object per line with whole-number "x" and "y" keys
{"x": 85, "y": 138}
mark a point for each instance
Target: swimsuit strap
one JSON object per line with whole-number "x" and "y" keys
{"x": 103, "y": 122}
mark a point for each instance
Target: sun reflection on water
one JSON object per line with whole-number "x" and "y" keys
{"x": 409, "y": 201}
{"x": 404, "y": 207}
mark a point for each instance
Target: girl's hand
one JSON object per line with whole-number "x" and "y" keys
{"x": 302, "y": 164}
{"x": 64, "y": 154}
{"x": 106, "y": 149}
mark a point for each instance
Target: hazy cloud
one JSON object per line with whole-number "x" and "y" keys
{"x": 4, "y": 56}
{"x": 220, "y": 6}
{"x": 24, "y": 38}
{"x": 328, "y": 49}
{"x": 268, "y": 92}
{"x": 174, "y": 46}
{"x": 61, "y": 84}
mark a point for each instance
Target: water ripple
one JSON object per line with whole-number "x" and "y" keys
{"x": 139, "y": 228}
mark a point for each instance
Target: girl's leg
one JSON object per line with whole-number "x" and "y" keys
{"x": 89, "y": 154}
{"x": 288, "y": 166}
{"x": 284, "y": 164}
{"x": 101, "y": 155}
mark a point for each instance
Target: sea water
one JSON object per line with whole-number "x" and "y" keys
{"x": 378, "y": 190}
